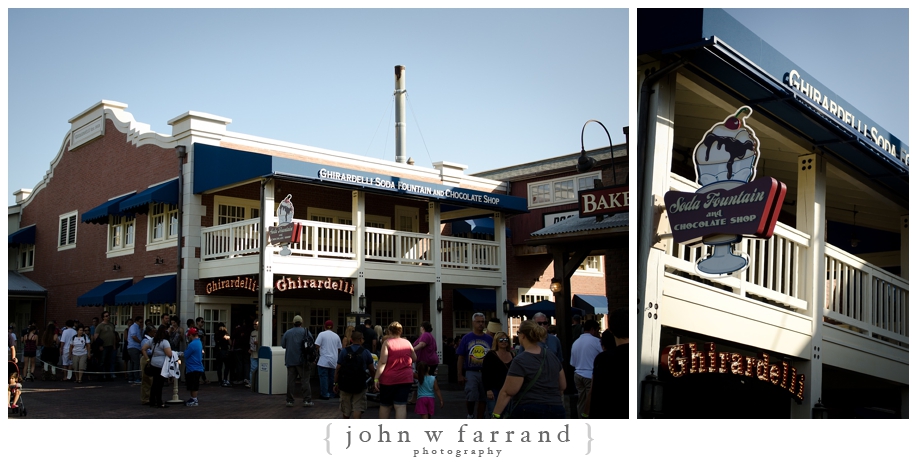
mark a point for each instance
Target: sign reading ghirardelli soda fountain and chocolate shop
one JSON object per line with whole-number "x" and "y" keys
{"x": 729, "y": 205}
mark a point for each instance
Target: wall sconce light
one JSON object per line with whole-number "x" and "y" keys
{"x": 181, "y": 151}
{"x": 439, "y": 304}
{"x": 819, "y": 411}
{"x": 362, "y": 302}
{"x": 269, "y": 299}
{"x": 506, "y": 306}
{"x": 159, "y": 261}
{"x": 651, "y": 402}
{"x": 556, "y": 286}
{"x": 116, "y": 268}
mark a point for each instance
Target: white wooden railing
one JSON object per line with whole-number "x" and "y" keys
{"x": 865, "y": 297}
{"x": 329, "y": 240}
{"x": 231, "y": 240}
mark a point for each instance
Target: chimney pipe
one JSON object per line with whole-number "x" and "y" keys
{"x": 400, "y": 128}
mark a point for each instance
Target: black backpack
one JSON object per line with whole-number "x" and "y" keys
{"x": 352, "y": 376}
{"x": 308, "y": 348}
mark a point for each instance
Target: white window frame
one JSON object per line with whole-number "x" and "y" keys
{"x": 127, "y": 227}
{"x": 343, "y": 217}
{"x": 551, "y": 201}
{"x": 170, "y": 236}
{"x": 530, "y": 295}
{"x": 252, "y": 207}
{"x": 26, "y": 251}
{"x": 68, "y": 238}
{"x": 597, "y": 268}
{"x": 121, "y": 316}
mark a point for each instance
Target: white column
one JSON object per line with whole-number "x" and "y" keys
{"x": 810, "y": 219}
{"x": 660, "y": 140}
{"x": 500, "y": 238}
{"x": 905, "y": 247}
{"x": 358, "y": 206}
{"x": 267, "y": 272}
{"x": 436, "y": 318}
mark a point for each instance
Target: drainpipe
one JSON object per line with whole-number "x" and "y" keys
{"x": 400, "y": 128}
{"x": 181, "y": 152}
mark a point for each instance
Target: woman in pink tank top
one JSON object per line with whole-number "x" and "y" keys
{"x": 395, "y": 374}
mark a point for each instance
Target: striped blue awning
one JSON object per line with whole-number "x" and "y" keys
{"x": 166, "y": 193}
{"x": 99, "y": 215}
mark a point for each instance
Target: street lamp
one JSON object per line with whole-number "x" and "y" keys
{"x": 363, "y": 303}
{"x": 556, "y": 286}
{"x": 585, "y": 163}
{"x": 269, "y": 298}
{"x": 439, "y": 304}
{"x": 506, "y": 306}
{"x": 651, "y": 404}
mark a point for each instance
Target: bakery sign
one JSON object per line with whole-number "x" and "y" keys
{"x": 603, "y": 201}
{"x": 730, "y": 204}
{"x": 685, "y": 359}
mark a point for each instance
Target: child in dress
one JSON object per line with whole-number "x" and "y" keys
{"x": 427, "y": 388}
{"x": 14, "y": 390}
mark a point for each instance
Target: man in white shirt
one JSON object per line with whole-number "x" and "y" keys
{"x": 582, "y": 358}
{"x": 329, "y": 345}
{"x": 65, "y": 338}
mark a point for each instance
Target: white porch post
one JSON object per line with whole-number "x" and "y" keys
{"x": 358, "y": 206}
{"x": 267, "y": 272}
{"x": 500, "y": 237}
{"x": 660, "y": 140}
{"x": 905, "y": 247}
{"x": 810, "y": 219}
{"x": 436, "y": 318}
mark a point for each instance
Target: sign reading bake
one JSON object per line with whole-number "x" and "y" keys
{"x": 288, "y": 283}
{"x": 748, "y": 210}
{"x": 685, "y": 358}
{"x": 239, "y": 282}
{"x": 603, "y": 201}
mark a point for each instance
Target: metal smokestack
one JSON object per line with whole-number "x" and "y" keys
{"x": 400, "y": 128}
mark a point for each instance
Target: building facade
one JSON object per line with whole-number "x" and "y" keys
{"x": 819, "y": 318}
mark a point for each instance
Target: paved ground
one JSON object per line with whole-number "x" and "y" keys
{"x": 118, "y": 400}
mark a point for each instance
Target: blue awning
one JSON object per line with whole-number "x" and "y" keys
{"x": 474, "y": 300}
{"x": 99, "y": 215}
{"x": 154, "y": 289}
{"x": 476, "y": 226}
{"x": 591, "y": 304}
{"x": 104, "y": 293}
{"x": 23, "y": 236}
{"x": 166, "y": 193}
{"x": 545, "y": 306}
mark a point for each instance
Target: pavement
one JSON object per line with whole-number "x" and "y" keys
{"x": 117, "y": 399}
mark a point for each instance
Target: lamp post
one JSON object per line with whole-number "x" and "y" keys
{"x": 585, "y": 163}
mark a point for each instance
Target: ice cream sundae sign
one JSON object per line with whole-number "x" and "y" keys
{"x": 287, "y": 232}
{"x": 731, "y": 204}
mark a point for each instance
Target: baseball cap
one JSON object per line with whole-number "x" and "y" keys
{"x": 297, "y": 318}
{"x": 328, "y": 323}
{"x": 192, "y": 331}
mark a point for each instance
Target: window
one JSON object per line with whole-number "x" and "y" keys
{"x": 163, "y": 223}
{"x": 591, "y": 265}
{"x": 120, "y": 233}
{"x": 120, "y": 315}
{"x": 232, "y": 209}
{"x": 560, "y": 190}
{"x": 317, "y": 318}
{"x": 67, "y": 235}
{"x": 531, "y": 295}
{"x": 26, "y": 257}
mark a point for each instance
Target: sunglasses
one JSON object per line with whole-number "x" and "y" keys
{"x": 543, "y": 323}
{"x": 503, "y": 340}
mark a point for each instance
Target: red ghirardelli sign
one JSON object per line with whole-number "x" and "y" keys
{"x": 685, "y": 358}
{"x": 604, "y": 201}
{"x": 288, "y": 283}
{"x": 729, "y": 205}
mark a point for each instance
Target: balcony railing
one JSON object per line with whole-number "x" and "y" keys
{"x": 864, "y": 298}
{"x": 329, "y": 240}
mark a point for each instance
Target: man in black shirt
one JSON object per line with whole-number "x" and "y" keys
{"x": 369, "y": 336}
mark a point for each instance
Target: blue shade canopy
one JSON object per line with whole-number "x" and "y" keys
{"x": 474, "y": 300}
{"x": 166, "y": 193}
{"x": 154, "y": 289}
{"x": 104, "y": 293}
{"x": 23, "y": 236}
{"x": 591, "y": 304}
{"x": 99, "y": 215}
{"x": 476, "y": 226}
{"x": 545, "y": 306}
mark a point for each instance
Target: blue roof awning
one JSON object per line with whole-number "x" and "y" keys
{"x": 166, "y": 193}
{"x": 104, "y": 293}
{"x": 474, "y": 300}
{"x": 476, "y": 226}
{"x": 591, "y": 304}
{"x": 153, "y": 289}
{"x": 23, "y": 236}
{"x": 545, "y": 306}
{"x": 99, "y": 215}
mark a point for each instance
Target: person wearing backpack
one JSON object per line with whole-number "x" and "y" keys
{"x": 297, "y": 360}
{"x": 354, "y": 367}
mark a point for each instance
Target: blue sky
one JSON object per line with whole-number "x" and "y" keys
{"x": 485, "y": 88}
